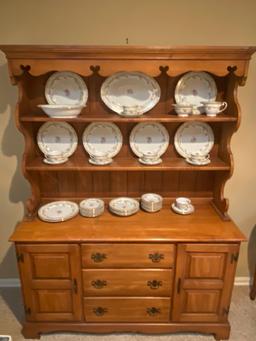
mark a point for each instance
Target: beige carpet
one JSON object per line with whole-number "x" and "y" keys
{"x": 242, "y": 318}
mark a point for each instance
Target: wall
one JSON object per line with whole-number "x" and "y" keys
{"x": 147, "y": 22}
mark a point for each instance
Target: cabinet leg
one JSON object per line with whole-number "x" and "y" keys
{"x": 222, "y": 334}
{"x": 253, "y": 289}
{"x": 29, "y": 332}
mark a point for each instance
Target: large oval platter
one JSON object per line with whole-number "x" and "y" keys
{"x": 102, "y": 139}
{"x": 57, "y": 136}
{"x": 149, "y": 138}
{"x": 132, "y": 90}
{"x": 194, "y": 137}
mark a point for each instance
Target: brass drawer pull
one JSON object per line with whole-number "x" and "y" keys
{"x": 99, "y": 311}
{"x": 99, "y": 284}
{"x": 154, "y": 284}
{"x": 156, "y": 257}
{"x": 152, "y": 311}
{"x": 98, "y": 257}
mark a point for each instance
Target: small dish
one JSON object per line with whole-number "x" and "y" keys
{"x": 182, "y": 110}
{"x": 150, "y": 162}
{"x": 183, "y": 212}
{"x": 91, "y": 207}
{"x": 124, "y": 206}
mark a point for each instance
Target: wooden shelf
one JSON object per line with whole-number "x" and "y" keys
{"x": 116, "y": 118}
{"x": 80, "y": 163}
{"x": 164, "y": 226}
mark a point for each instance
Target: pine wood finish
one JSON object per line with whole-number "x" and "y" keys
{"x": 148, "y": 273}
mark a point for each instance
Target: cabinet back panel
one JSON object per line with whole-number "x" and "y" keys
{"x": 108, "y": 184}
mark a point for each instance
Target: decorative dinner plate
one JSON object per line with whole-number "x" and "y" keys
{"x": 124, "y": 206}
{"x": 66, "y": 87}
{"x": 149, "y": 137}
{"x": 130, "y": 91}
{"x": 59, "y": 136}
{"x": 57, "y": 211}
{"x": 102, "y": 139}
{"x": 194, "y": 137}
{"x": 195, "y": 87}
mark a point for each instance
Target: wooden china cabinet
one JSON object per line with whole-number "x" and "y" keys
{"x": 147, "y": 273}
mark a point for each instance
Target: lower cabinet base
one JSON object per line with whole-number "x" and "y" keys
{"x": 33, "y": 330}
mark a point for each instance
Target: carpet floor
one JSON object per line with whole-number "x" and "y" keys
{"x": 242, "y": 317}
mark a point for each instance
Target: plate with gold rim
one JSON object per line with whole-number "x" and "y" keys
{"x": 130, "y": 93}
{"x": 58, "y": 211}
{"x": 66, "y": 88}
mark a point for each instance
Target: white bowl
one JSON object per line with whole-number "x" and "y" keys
{"x": 182, "y": 110}
{"x": 61, "y": 110}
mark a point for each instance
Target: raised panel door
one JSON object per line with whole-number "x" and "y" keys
{"x": 203, "y": 282}
{"x": 51, "y": 281}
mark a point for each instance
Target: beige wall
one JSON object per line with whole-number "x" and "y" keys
{"x": 149, "y": 22}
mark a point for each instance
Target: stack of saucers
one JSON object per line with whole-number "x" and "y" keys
{"x": 151, "y": 202}
{"x": 91, "y": 207}
{"x": 124, "y": 206}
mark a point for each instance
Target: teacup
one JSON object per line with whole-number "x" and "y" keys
{"x": 149, "y": 157}
{"x": 100, "y": 159}
{"x": 213, "y": 108}
{"x": 131, "y": 111}
{"x": 55, "y": 156}
{"x": 199, "y": 157}
{"x": 182, "y": 110}
{"x": 183, "y": 203}
{"x": 196, "y": 109}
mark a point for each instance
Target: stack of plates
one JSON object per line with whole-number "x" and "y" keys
{"x": 151, "y": 202}
{"x": 91, "y": 207}
{"x": 124, "y": 206}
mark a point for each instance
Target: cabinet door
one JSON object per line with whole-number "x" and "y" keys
{"x": 51, "y": 281}
{"x": 204, "y": 281}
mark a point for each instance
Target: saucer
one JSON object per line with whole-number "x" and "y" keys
{"x": 149, "y": 163}
{"x": 198, "y": 163}
{"x": 55, "y": 162}
{"x": 183, "y": 212}
{"x": 100, "y": 163}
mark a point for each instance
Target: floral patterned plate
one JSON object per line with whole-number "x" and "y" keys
{"x": 102, "y": 139}
{"x": 58, "y": 211}
{"x": 195, "y": 87}
{"x": 194, "y": 137}
{"x": 57, "y": 136}
{"x": 67, "y": 88}
{"x": 124, "y": 206}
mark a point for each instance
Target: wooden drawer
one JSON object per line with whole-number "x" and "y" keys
{"x": 127, "y": 282}
{"x": 128, "y": 255}
{"x": 127, "y": 309}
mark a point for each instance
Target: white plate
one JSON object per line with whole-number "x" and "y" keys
{"x": 195, "y": 87}
{"x": 60, "y": 110}
{"x": 150, "y": 163}
{"x": 57, "y": 211}
{"x": 66, "y": 88}
{"x": 132, "y": 90}
{"x": 194, "y": 137}
{"x": 56, "y": 162}
{"x": 151, "y": 198}
{"x": 91, "y": 203}
{"x": 198, "y": 163}
{"x": 183, "y": 212}
{"x": 149, "y": 137}
{"x": 57, "y": 136}
{"x": 102, "y": 139}
{"x": 124, "y": 206}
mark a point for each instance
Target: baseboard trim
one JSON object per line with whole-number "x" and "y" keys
{"x": 9, "y": 282}
{"x": 242, "y": 281}
{"x": 15, "y": 282}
